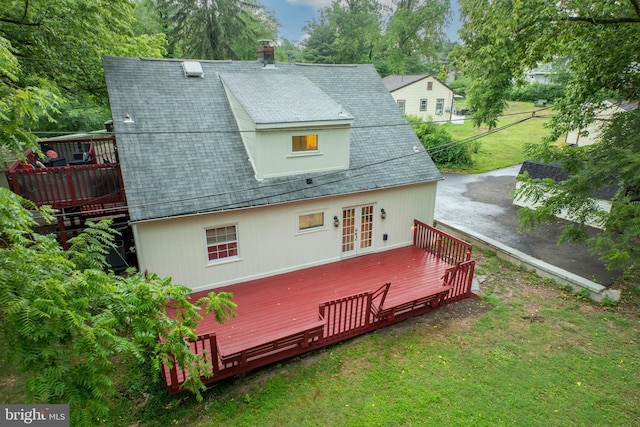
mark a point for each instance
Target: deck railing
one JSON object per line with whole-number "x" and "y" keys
{"x": 460, "y": 278}
{"x": 441, "y": 244}
{"x": 346, "y": 317}
{"x": 69, "y": 186}
{"x": 93, "y": 178}
{"x": 175, "y": 376}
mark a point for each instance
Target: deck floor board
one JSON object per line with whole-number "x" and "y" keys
{"x": 289, "y": 301}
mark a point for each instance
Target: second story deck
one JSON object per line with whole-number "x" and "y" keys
{"x": 76, "y": 174}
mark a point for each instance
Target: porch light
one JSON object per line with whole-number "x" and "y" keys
{"x": 383, "y": 214}
{"x": 336, "y": 221}
{"x": 128, "y": 119}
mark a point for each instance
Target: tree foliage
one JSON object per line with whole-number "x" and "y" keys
{"x": 215, "y": 29}
{"x": 347, "y": 32}
{"x": 20, "y": 106}
{"x": 400, "y": 38}
{"x": 414, "y": 32}
{"x": 64, "y": 318}
{"x": 51, "y": 51}
{"x": 601, "y": 42}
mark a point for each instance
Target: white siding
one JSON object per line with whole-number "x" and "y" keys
{"x": 269, "y": 149}
{"x": 413, "y": 93}
{"x": 275, "y": 158}
{"x": 594, "y": 129}
{"x": 268, "y": 240}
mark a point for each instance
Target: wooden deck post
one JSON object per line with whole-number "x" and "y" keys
{"x": 63, "y": 232}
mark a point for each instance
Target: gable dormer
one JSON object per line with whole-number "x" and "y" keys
{"x": 289, "y": 126}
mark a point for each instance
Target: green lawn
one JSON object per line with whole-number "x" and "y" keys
{"x": 503, "y": 148}
{"x": 525, "y": 353}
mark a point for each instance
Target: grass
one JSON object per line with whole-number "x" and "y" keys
{"x": 503, "y": 148}
{"x": 525, "y": 353}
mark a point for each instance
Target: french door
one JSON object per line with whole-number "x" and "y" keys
{"x": 357, "y": 230}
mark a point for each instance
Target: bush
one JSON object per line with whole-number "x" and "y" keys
{"x": 535, "y": 91}
{"x": 444, "y": 151}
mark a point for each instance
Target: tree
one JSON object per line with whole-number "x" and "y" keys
{"x": 287, "y": 51}
{"x": 347, "y": 32}
{"x": 215, "y": 29}
{"x": 20, "y": 105}
{"x": 64, "y": 318}
{"x": 403, "y": 38}
{"x": 58, "y": 44}
{"x": 601, "y": 41}
{"x": 414, "y": 34}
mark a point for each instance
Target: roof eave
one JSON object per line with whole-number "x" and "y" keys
{"x": 305, "y": 124}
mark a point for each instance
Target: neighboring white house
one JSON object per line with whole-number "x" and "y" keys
{"x": 240, "y": 170}
{"x": 593, "y": 132}
{"x": 422, "y": 95}
{"x": 542, "y": 74}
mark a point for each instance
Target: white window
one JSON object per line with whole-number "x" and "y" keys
{"x": 222, "y": 243}
{"x": 439, "y": 106}
{"x": 423, "y": 105}
{"x": 310, "y": 221}
{"x": 401, "y": 104}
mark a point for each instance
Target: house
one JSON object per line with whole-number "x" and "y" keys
{"x": 542, "y": 74}
{"x": 593, "y": 132}
{"x": 422, "y": 95}
{"x": 236, "y": 171}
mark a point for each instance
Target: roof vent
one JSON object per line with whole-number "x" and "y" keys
{"x": 192, "y": 69}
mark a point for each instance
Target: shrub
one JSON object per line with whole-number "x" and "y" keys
{"x": 444, "y": 151}
{"x": 535, "y": 91}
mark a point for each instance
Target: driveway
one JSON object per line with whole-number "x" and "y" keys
{"x": 483, "y": 203}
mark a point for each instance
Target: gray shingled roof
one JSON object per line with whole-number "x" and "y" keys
{"x": 539, "y": 170}
{"x": 627, "y": 106}
{"x": 396, "y": 81}
{"x": 183, "y": 153}
{"x": 285, "y": 106}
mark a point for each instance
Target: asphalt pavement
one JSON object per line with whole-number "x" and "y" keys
{"x": 483, "y": 203}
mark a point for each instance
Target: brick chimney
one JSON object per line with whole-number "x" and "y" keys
{"x": 266, "y": 53}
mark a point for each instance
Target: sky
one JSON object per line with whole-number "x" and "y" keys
{"x": 293, "y": 15}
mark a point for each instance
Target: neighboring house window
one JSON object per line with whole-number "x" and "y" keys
{"x": 423, "y": 105}
{"x": 401, "y": 104}
{"x": 304, "y": 143}
{"x": 439, "y": 105}
{"x": 310, "y": 221}
{"x": 429, "y": 85}
{"x": 222, "y": 243}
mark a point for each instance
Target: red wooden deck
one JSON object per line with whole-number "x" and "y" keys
{"x": 282, "y": 302}
{"x": 291, "y": 313}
